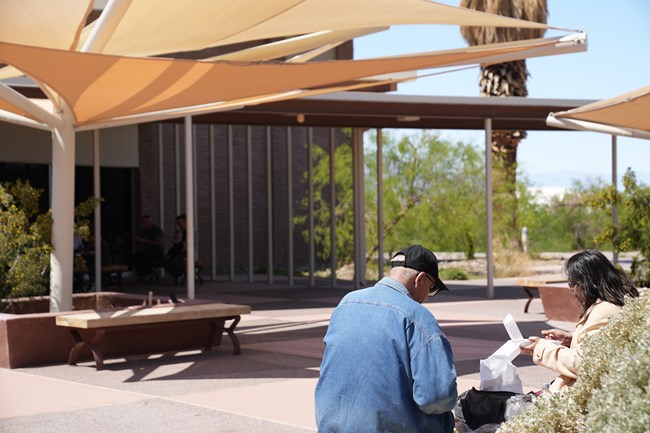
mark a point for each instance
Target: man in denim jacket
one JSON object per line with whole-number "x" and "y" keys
{"x": 387, "y": 365}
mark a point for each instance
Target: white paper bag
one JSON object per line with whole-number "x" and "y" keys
{"x": 497, "y": 373}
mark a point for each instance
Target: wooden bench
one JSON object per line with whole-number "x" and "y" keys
{"x": 534, "y": 283}
{"x": 112, "y": 274}
{"x": 215, "y": 314}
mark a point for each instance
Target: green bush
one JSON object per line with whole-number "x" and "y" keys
{"x": 633, "y": 231}
{"x": 612, "y": 393}
{"x": 25, "y": 239}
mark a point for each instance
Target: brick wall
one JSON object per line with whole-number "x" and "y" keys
{"x": 148, "y": 197}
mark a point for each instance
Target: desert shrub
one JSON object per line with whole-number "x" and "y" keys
{"x": 509, "y": 260}
{"x": 612, "y": 393}
{"x": 25, "y": 239}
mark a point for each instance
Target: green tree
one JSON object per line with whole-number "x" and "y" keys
{"x": 428, "y": 184}
{"x": 343, "y": 211}
{"x": 433, "y": 193}
{"x": 25, "y": 239}
{"x": 633, "y": 230}
{"x": 563, "y": 223}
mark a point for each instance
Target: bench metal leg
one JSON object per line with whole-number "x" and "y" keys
{"x": 530, "y": 298}
{"x": 214, "y": 329}
{"x": 93, "y": 345}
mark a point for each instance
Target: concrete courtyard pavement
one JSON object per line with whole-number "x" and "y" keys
{"x": 269, "y": 388}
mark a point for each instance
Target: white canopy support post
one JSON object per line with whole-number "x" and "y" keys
{"x": 189, "y": 208}
{"x": 98, "y": 212}
{"x": 615, "y": 185}
{"x": 7, "y": 116}
{"x": 62, "y": 256}
{"x": 21, "y": 102}
{"x": 488, "y": 208}
{"x": 380, "y": 205}
{"x": 105, "y": 26}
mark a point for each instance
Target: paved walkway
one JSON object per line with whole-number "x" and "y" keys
{"x": 269, "y": 388}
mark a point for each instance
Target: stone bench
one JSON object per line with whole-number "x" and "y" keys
{"x": 101, "y": 322}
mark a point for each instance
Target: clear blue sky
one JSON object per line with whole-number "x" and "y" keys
{"x": 617, "y": 61}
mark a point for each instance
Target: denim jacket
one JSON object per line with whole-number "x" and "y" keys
{"x": 387, "y": 366}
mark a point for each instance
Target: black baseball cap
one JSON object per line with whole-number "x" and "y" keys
{"x": 421, "y": 259}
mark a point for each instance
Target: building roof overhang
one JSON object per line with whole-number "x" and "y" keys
{"x": 376, "y": 110}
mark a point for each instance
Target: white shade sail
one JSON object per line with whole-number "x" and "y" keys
{"x": 51, "y": 24}
{"x": 208, "y": 23}
{"x": 627, "y": 114}
{"x": 106, "y": 87}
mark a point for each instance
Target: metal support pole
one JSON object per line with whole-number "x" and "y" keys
{"x": 195, "y": 189}
{"x": 310, "y": 199}
{"x": 249, "y": 183}
{"x": 289, "y": 210}
{"x": 488, "y": 208}
{"x": 98, "y": 212}
{"x": 615, "y": 184}
{"x": 231, "y": 208}
{"x": 213, "y": 207}
{"x": 177, "y": 162}
{"x": 161, "y": 180}
{"x": 269, "y": 205}
{"x": 359, "y": 209}
{"x": 189, "y": 205}
{"x": 380, "y": 206}
{"x": 332, "y": 209}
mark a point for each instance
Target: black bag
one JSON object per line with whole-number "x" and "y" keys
{"x": 484, "y": 407}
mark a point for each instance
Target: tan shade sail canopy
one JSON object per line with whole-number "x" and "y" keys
{"x": 207, "y": 23}
{"x": 631, "y": 110}
{"x": 627, "y": 115}
{"x": 106, "y": 87}
{"x": 51, "y": 24}
{"x": 299, "y": 44}
{"x": 154, "y": 27}
{"x": 158, "y": 27}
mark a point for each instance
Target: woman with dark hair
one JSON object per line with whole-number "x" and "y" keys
{"x": 601, "y": 289}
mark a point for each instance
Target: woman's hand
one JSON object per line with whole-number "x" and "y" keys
{"x": 562, "y": 337}
{"x": 528, "y": 350}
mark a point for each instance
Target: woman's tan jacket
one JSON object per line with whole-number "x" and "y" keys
{"x": 565, "y": 360}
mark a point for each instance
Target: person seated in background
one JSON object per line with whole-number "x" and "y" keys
{"x": 601, "y": 289}
{"x": 150, "y": 239}
{"x": 175, "y": 260}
